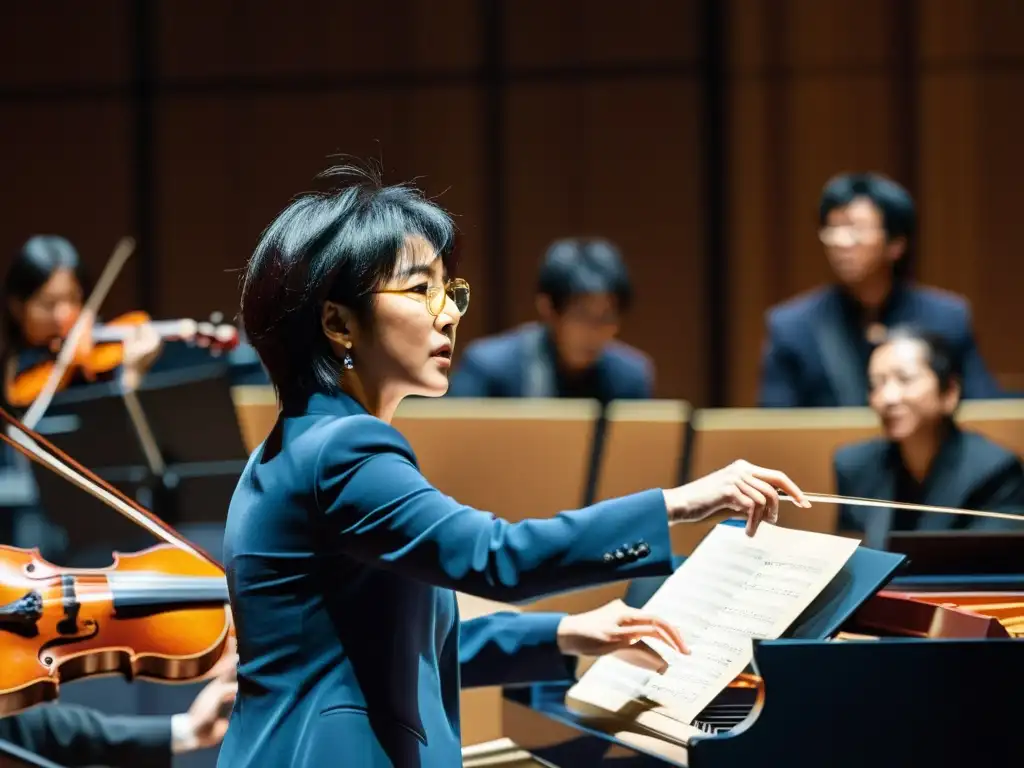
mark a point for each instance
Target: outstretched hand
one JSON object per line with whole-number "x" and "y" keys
{"x": 614, "y": 627}
{"x": 740, "y": 487}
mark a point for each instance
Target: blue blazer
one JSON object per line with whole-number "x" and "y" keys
{"x": 342, "y": 565}
{"x": 519, "y": 363}
{"x": 970, "y": 472}
{"x": 815, "y": 354}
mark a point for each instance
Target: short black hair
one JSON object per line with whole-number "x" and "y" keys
{"x": 899, "y": 216}
{"x": 337, "y": 246}
{"x": 33, "y": 265}
{"x": 940, "y": 355}
{"x": 578, "y": 266}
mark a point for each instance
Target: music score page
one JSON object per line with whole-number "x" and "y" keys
{"x": 732, "y": 589}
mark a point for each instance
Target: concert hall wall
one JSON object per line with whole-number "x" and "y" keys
{"x": 191, "y": 123}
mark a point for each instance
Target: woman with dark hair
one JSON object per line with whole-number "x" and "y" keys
{"x": 44, "y": 293}
{"x": 924, "y": 457}
{"x": 343, "y": 560}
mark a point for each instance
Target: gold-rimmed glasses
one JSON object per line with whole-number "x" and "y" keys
{"x": 456, "y": 289}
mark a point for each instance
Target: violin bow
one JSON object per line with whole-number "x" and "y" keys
{"x": 122, "y": 251}
{"x": 27, "y": 441}
{"x": 856, "y": 501}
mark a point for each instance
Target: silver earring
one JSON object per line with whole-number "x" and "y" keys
{"x": 346, "y": 362}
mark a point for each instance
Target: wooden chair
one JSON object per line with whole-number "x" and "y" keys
{"x": 256, "y": 409}
{"x": 999, "y": 420}
{"x": 643, "y": 446}
{"x": 516, "y": 458}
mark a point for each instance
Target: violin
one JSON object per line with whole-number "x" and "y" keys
{"x": 106, "y": 352}
{"x": 160, "y": 614}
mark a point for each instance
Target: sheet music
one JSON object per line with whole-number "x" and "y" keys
{"x": 732, "y": 589}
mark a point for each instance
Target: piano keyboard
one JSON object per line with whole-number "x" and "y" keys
{"x": 727, "y": 711}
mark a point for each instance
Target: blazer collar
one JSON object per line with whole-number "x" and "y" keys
{"x": 335, "y": 403}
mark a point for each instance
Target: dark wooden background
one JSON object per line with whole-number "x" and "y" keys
{"x": 695, "y": 133}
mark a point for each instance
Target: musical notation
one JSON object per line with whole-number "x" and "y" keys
{"x": 732, "y": 590}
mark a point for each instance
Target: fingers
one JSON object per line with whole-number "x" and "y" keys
{"x": 638, "y": 625}
{"x": 767, "y": 496}
{"x": 779, "y": 480}
{"x": 754, "y": 504}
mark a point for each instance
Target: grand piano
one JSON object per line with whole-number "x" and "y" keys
{"x": 905, "y": 660}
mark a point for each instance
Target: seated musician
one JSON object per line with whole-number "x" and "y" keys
{"x": 582, "y": 291}
{"x": 44, "y": 292}
{"x": 818, "y": 344}
{"x": 924, "y": 457}
{"x": 73, "y": 735}
{"x": 343, "y": 560}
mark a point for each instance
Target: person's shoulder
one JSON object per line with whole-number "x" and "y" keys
{"x": 987, "y": 452}
{"x": 630, "y": 359}
{"x": 940, "y": 299}
{"x": 352, "y": 439}
{"x": 496, "y": 350}
{"x": 797, "y": 308}
{"x": 854, "y": 456}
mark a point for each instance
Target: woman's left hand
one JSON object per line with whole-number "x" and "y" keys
{"x": 614, "y": 627}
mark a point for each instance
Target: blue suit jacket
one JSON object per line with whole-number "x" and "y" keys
{"x": 816, "y": 356}
{"x": 970, "y": 472}
{"x": 342, "y": 565}
{"x": 518, "y": 364}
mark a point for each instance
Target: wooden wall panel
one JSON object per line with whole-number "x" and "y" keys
{"x": 228, "y": 166}
{"x": 66, "y": 44}
{"x": 619, "y": 159}
{"x": 587, "y": 33}
{"x": 310, "y": 38}
{"x": 66, "y": 171}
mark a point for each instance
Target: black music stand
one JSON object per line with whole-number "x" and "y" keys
{"x": 13, "y": 756}
{"x": 191, "y": 416}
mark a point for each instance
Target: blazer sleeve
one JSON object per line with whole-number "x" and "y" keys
{"x": 779, "y": 385}
{"x": 848, "y": 518}
{"x": 375, "y": 502}
{"x": 72, "y": 735}
{"x": 513, "y": 649}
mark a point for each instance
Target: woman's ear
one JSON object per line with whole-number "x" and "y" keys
{"x": 338, "y": 324}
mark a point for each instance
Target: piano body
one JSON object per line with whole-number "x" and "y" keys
{"x": 914, "y": 677}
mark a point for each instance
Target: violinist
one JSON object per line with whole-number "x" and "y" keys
{"x": 43, "y": 296}
{"x": 924, "y": 456}
{"x": 343, "y": 560}
{"x": 73, "y": 735}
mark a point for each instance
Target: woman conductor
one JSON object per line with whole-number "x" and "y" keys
{"x": 343, "y": 561}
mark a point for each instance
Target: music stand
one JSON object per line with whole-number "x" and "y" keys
{"x": 191, "y": 416}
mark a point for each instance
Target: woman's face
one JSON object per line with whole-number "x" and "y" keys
{"x": 49, "y": 313}
{"x": 407, "y": 350}
{"x": 905, "y": 391}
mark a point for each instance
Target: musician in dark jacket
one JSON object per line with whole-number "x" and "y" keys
{"x": 73, "y": 735}
{"x": 582, "y": 292}
{"x": 924, "y": 457}
{"x": 818, "y": 344}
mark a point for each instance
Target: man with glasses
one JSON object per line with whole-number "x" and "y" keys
{"x": 582, "y": 292}
{"x": 819, "y": 343}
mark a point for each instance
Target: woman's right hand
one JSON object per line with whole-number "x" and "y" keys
{"x": 740, "y": 487}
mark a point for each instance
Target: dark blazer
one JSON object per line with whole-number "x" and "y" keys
{"x": 816, "y": 354}
{"x": 342, "y": 565}
{"x": 970, "y": 472}
{"x": 71, "y": 735}
{"x": 520, "y": 363}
